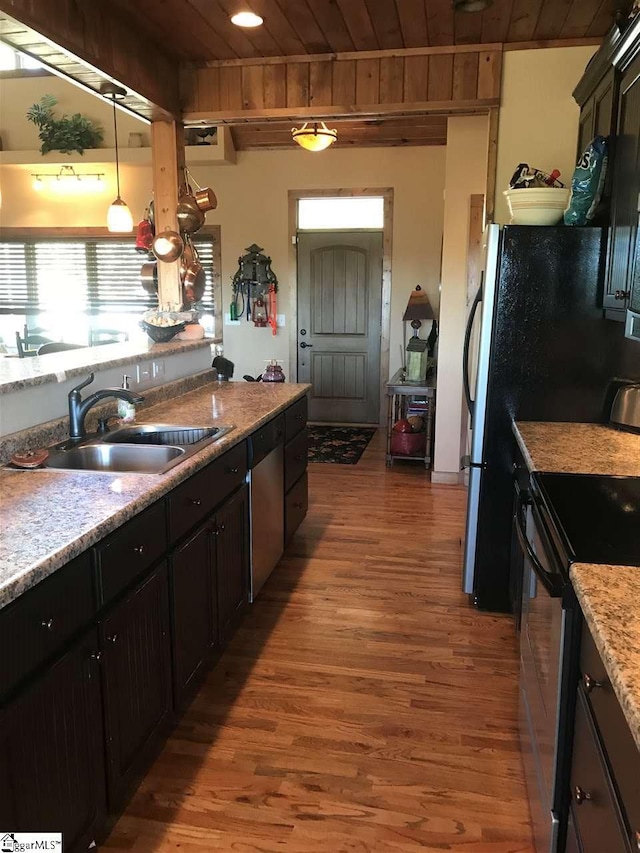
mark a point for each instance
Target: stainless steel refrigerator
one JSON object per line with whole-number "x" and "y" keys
{"x": 544, "y": 353}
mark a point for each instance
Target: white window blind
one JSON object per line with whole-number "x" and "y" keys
{"x": 88, "y": 275}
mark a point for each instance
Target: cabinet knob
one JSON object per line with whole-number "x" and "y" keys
{"x": 221, "y": 528}
{"x": 195, "y": 502}
{"x": 47, "y": 623}
{"x": 300, "y": 458}
{"x": 589, "y": 682}
{"x": 299, "y": 417}
{"x": 96, "y": 656}
{"x": 139, "y": 550}
{"x": 111, "y": 638}
{"x": 622, "y": 294}
{"x": 298, "y": 504}
{"x": 231, "y": 470}
{"x": 580, "y": 795}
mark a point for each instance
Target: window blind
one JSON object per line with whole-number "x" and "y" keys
{"x": 92, "y": 275}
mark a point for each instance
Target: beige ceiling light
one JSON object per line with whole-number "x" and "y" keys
{"x": 119, "y": 218}
{"x": 247, "y": 19}
{"x": 314, "y": 137}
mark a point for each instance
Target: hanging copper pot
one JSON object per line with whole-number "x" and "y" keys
{"x": 167, "y": 246}
{"x": 149, "y": 277}
{"x": 206, "y": 199}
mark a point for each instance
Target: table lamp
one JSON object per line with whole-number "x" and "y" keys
{"x": 418, "y": 351}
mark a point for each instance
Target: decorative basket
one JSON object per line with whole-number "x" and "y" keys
{"x": 408, "y": 443}
{"x": 161, "y": 334}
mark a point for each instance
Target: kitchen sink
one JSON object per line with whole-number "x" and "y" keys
{"x": 163, "y": 434}
{"x": 115, "y": 459}
{"x": 136, "y": 449}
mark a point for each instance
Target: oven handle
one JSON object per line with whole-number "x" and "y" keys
{"x": 550, "y": 582}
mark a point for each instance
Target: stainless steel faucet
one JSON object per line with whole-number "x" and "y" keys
{"x": 78, "y": 407}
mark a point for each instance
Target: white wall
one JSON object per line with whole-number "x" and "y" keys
{"x": 465, "y": 175}
{"x": 538, "y": 116}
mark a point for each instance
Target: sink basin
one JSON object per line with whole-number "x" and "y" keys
{"x": 163, "y": 434}
{"x": 115, "y": 459}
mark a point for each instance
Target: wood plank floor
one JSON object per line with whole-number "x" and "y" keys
{"x": 363, "y": 706}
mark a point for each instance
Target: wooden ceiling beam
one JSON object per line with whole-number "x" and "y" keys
{"x": 446, "y": 82}
{"x": 89, "y": 31}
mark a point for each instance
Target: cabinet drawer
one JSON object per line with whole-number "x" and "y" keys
{"x": 295, "y": 418}
{"x": 594, "y": 805}
{"x": 617, "y": 740}
{"x": 296, "y": 505}
{"x": 194, "y": 499}
{"x": 295, "y": 459}
{"x": 35, "y": 626}
{"x": 126, "y": 554}
{"x": 264, "y": 440}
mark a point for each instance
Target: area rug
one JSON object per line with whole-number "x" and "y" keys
{"x": 339, "y": 445}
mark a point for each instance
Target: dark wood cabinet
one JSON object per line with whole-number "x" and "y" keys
{"x": 231, "y": 543}
{"x": 51, "y": 752}
{"x": 194, "y": 611}
{"x": 626, "y": 187}
{"x": 134, "y": 640}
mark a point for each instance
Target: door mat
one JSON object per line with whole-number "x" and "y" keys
{"x": 340, "y": 445}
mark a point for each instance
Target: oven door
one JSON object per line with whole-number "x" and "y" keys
{"x": 541, "y": 656}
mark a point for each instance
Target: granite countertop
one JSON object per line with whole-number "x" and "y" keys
{"x": 19, "y": 373}
{"x": 609, "y": 597}
{"x": 49, "y": 517}
{"x": 567, "y": 448}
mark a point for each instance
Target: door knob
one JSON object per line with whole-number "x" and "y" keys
{"x": 304, "y": 345}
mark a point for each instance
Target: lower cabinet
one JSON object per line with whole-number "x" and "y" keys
{"x": 52, "y": 754}
{"x": 231, "y": 534}
{"x": 134, "y": 640}
{"x": 194, "y": 611}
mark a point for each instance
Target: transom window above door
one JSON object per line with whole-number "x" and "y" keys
{"x": 334, "y": 214}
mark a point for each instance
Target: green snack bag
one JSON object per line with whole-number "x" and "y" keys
{"x": 587, "y": 183}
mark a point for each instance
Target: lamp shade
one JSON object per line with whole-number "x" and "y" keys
{"x": 418, "y": 306}
{"x": 316, "y": 137}
{"x": 119, "y": 218}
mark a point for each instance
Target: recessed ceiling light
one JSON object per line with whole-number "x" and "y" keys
{"x": 246, "y": 19}
{"x": 471, "y": 5}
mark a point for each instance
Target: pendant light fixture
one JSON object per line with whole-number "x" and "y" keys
{"x": 119, "y": 218}
{"x": 314, "y": 137}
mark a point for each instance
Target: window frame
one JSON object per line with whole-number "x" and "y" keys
{"x": 29, "y": 236}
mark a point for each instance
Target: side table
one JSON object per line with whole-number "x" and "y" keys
{"x": 403, "y": 395}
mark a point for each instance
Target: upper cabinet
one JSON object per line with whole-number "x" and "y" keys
{"x": 609, "y": 99}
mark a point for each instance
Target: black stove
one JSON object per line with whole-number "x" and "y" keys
{"x": 596, "y": 518}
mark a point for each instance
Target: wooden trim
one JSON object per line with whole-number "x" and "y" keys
{"x": 387, "y": 193}
{"x": 355, "y": 54}
{"x": 492, "y": 164}
{"x": 167, "y": 158}
{"x": 17, "y": 73}
{"x": 542, "y": 44}
{"x": 474, "y": 107}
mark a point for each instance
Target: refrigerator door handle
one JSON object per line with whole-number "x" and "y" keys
{"x": 467, "y": 344}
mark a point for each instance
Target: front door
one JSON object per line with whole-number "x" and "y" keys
{"x": 339, "y": 323}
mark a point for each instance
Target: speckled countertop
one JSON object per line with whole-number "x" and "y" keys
{"x": 49, "y": 517}
{"x": 608, "y": 595}
{"x": 19, "y": 373}
{"x": 579, "y": 448}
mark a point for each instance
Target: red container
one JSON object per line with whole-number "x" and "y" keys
{"x": 408, "y": 443}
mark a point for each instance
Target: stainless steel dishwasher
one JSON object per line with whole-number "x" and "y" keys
{"x": 266, "y": 490}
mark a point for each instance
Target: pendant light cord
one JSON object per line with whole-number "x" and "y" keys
{"x": 115, "y": 130}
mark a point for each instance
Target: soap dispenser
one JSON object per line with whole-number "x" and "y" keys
{"x": 126, "y": 410}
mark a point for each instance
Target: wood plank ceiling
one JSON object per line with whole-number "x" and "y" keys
{"x": 200, "y": 30}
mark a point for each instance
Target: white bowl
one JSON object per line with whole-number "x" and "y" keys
{"x": 537, "y": 206}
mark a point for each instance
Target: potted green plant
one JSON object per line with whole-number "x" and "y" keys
{"x": 66, "y": 134}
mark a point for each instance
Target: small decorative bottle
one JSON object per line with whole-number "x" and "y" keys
{"x": 273, "y": 372}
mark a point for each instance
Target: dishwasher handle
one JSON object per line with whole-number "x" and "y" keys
{"x": 551, "y": 582}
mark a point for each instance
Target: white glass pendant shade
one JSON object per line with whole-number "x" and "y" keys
{"x": 119, "y": 218}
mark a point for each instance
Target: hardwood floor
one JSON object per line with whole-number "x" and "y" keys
{"x": 362, "y": 706}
